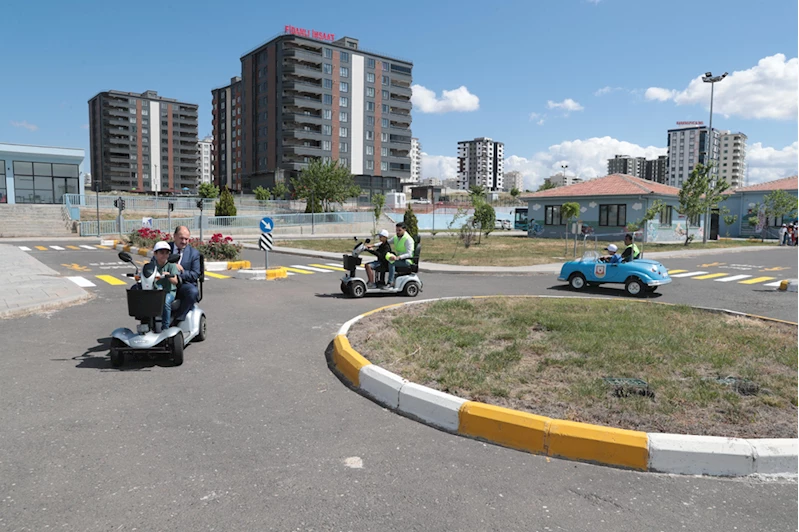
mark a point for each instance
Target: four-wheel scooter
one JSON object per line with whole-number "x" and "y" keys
{"x": 406, "y": 282}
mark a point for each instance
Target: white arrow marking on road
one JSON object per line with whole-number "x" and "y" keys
{"x": 689, "y": 274}
{"x": 311, "y": 268}
{"x": 57, "y": 248}
{"x": 23, "y": 248}
{"x": 732, "y": 278}
{"x": 81, "y": 281}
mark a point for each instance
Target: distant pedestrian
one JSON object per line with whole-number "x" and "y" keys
{"x": 783, "y": 235}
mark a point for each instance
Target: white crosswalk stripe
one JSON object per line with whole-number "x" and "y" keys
{"x": 775, "y": 283}
{"x": 84, "y": 246}
{"x": 310, "y": 268}
{"x": 82, "y": 282}
{"x": 24, "y": 248}
{"x": 57, "y": 248}
{"x": 689, "y": 274}
{"x": 732, "y": 278}
{"x": 339, "y": 265}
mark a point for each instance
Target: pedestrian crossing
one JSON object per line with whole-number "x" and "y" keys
{"x": 64, "y": 248}
{"x": 724, "y": 277}
{"x": 308, "y": 269}
{"x": 122, "y": 279}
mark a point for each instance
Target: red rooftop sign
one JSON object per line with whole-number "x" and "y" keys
{"x": 311, "y": 34}
{"x": 691, "y": 123}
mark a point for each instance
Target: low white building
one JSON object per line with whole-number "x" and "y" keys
{"x": 39, "y": 174}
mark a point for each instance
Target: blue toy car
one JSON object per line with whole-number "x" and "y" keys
{"x": 638, "y": 276}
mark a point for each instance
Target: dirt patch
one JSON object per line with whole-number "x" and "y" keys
{"x": 705, "y": 373}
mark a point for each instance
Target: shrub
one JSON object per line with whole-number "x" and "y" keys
{"x": 146, "y": 237}
{"x": 219, "y": 247}
{"x": 411, "y": 223}
{"x": 225, "y": 206}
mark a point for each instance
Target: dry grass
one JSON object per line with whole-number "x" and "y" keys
{"x": 549, "y": 357}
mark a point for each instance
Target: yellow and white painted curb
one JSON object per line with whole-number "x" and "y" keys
{"x": 630, "y": 449}
{"x": 270, "y": 274}
{"x": 210, "y": 266}
{"x": 788, "y": 285}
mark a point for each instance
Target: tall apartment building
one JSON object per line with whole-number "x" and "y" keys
{"x": 513, "y": 179}
{"x": 563, "y": 180}
{"x": 656, "y": 169}
{"x": 731, "y": 160}
{"x": 300, "y": 97}
{"x": 205, "y": 160}
{"x": 416, "y": 160}
{"x": 624, "y": 164}
{"x": 481, "y": 162}
{"x": 142, "y": 142}
{"x": 688, "y": 146}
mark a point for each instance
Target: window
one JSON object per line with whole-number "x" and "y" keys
{"x": 370, "y": 106}
{"x": 384, "y": 108}
{"x": 327, "y": 114}
{"x": 327, "y": 68}
{"x": 327, "y": 83}
{"x": 665, "y": 215}
{"x": 384, "y": 166}
{"x": 343, "y": 161}
{"x": 613, "y": 215}
{"x": 370, "y": 92}
{"x": 328, "y": 53}
{"x": 144, "y": 112}
{"x": 370, "y": 150}
{"x": 343, "y": 116}
{"x": 385, "y": 80}
{"x": 384, "y": 137}
{"x": 693, "y": 221}
{"x": 370, "y": 165}
{"x": 327, "y": 99}
{"x": 384, "y": 122}
{"x": 370, "y": 63}
{"x": 370, "y": 77}
{"x": 327, "y": 129}
{"x": 343, "y": 147}
{"x": 385, "y": 66}
{"x": 343, "y": 86}
{"x": 344, "y": 72}
{"x": 384, "y": 152}
{"x": 345, "y": 57}
{"x": 343, "y": 101}
{"x": 385, "y": 94}
{"x": 370, "y": 135}
{"x": 343, "y": 132}
{"x": 326, "y": 145}
{"x": 552, "y": 215}
{"x": 370, "y": 120}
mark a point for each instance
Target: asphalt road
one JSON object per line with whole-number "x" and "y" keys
{"x": 254, "y": 432}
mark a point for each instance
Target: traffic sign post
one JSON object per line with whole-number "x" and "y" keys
{"x": 266, "y": 242}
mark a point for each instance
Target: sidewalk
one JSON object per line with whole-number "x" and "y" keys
{"x": 27, "y": 286}
{"x": 553, "y": 268}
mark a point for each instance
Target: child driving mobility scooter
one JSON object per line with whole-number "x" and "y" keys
{"x": 406, "y": 281}
{"x": 147, "y": 300}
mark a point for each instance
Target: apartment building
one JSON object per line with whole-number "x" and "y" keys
{"x": 687, "y": 147}
{"x": 655, "y": 170}
{"x": 481, "y": 163}
{"x": 302, "y": 96}
{"x": 624, "y": 164}
{"x": 563, "y": 180}
{"x": 205, "y": 160}
{"x": 513, "y": 179}
{"x": 416, "y": 160}
{"x": 142, "y": 142}
{"x": 731, "y": 160}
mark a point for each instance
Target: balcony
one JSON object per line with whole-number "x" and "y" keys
{"x": 302, "y": 68}
{"x": 400, "y": 124}
{"x": 399, "y": 152}
{"x": 300, "y": 84}
{"x": 403, "y": 102}
{"x": 399, "y": 139}
{"x": 305, "y": 55}
{"x": 301, "y": 150}
{"x": 303, "y": 133}
{"x": 299, "y": 117}
{"x": 302, "y": 45}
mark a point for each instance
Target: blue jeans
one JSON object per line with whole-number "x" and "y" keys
{"x": 167, "y": 315}
{"x": 392, "y": 268}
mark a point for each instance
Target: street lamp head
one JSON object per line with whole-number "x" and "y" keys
{"x": 708, "y": 74}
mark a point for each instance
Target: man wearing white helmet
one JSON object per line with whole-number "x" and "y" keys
{"x": 613, "y": 256}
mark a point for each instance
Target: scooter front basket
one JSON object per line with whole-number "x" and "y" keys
{"x": 351, "y": 262}
{"x": 143, "y": 304}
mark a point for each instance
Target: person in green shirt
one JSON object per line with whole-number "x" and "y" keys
{"x": 161, "y": 253}
{"x": 631, "y": 250}
{"x": 403, "y": 246}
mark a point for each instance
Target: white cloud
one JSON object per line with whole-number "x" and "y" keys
{"x": 440, "y": 166}
{"x": 607, "y": 90}
{"x": 767, "y": 90}
{"x": 25, "y": 124}
{"x": 425, "y": 101}
{"x": 765, "y": 163}
{"x": 567, "y": 105}
{"x": 538, "y": 118}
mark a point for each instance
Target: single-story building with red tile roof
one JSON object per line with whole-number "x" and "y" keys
{"x": 742, "y": 204}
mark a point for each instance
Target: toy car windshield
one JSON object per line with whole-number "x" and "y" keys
{"x": 590, "y": 256}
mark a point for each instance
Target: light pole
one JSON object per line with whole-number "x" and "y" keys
{"x": 710, "y": 78}
{"x": 563, "y": 172}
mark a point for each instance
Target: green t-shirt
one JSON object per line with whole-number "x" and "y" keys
{"x": 166, "y": 284}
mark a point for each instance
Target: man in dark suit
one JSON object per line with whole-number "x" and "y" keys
{"x": 189, "y": 268}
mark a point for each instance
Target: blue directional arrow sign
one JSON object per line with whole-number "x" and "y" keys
{"x": 267, "y": 225}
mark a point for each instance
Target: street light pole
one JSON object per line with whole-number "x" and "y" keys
{"x": 710, "y": 78}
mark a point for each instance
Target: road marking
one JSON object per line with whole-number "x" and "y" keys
{"x": 676, "y": 271}
{"x": 217, "y": 275}
{"x": 756, "y": 280}
{"x": 295, "y": 270}
{"x": 74, "y": 247}
{"x": 342, "y": 269}
{"x": 689, "y": 274}
{"x": 289, "y": 273}
{"x": 23, "y": 248}
{"x": 311, "y": 268}
{"x": 110, "y": 279}
{"x": 733, "y": 278}
{"x": 76, "y": 267}
{"x": 103, "y": 247}
{"x": 773, "y": 284}
{"x": 41, "y": 248}
{"x": 57, "y": 248}
{"x": 84, "y": 246}
{"x": 335, "y": 268}
{"x": 710, "y": 276}
{"x": 776, "y": 269}
{"x": 81, "y": 281}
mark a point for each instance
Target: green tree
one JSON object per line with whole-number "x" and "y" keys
{"x": 326, "y": 182}
{"x": 262, "y": 194}
{"x": 225, "y": 206}
{"x": 515, "y": 192}
{"x": 280, "y": 190}
{"x": 208, "y": 190}
{"x": 729, "y": 219}
{"x": 570, "y": 210}
{"x": 698, "y": 194}
{"x": 477, "y": 193}
{"x": 546, "y": 185}
{"x": 412, "y": 225}
{"x": 378, "y": 204}
{"x": 485, "y": 216}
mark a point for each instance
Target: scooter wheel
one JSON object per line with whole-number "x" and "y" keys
{"x": 201, "y": 335}
{"x": 344, "y": 288}
{"x": 411, "y": 289}
{"x": 116, "y": 354}
{"x": 357, "y": 289}
{"x": 177, "y": 349}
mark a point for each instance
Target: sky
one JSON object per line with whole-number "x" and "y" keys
{"x": 558, "y": 81}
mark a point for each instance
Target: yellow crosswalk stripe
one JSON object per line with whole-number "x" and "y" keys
{"x": 41, "y": 248}
{"x": 110, "y": 279}
{"x": 756, "y": 280}
{"x": 74, "y": 247}
{"x": 711, "y": 276}
{"x": 102, "y": 247}
{"x": 326, "y": 267}
{"x": 677, "y": 271}
{"x": 217, "y": 275}
{"x": 296, "y": 270}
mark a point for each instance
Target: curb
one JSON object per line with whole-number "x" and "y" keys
{"x": 211, "y": 266}
{"x": 627, "y": 449}
{"x": 262, "y": 275}
{"x": 788, "y": 285}
{"x": 59, "y": 304}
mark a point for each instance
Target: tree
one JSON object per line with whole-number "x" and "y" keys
{"x": 729, "y": 219}
{"x": 485, "y": 216}
{"x": 570, "y": 210}
{"x": 225, "y": 206}
{"x": 698, "y": 194}
{"x": 477, "y": 193}
{"x": 776, "y": 204}
{"x": 262, "y": 194}
{"x": 515, "y": 192}
{"x": 378, "y": 202}
{"x": 411, "y": 224}
{"x": 326, "y": 182}
{"x": 546, "y": 185}
{"x": 208, "y": 190}
{"x": 280, "y": 190}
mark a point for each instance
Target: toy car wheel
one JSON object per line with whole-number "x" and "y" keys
{"x": 357, "y": 289}
{"x": 634, "y": 287}
{"x": 411, "y": 289}
{"x": 344, "y": 288}
{"x": 177, "y": 349}
{"x": 577, "y": 281}
{"x": 201, "y": 335}
{"x": 651, "y": 289}
{"x": 116, "y": 354}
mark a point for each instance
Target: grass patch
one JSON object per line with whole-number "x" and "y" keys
{"x": 500, "y": 250}
{"x": 549, "y": 357}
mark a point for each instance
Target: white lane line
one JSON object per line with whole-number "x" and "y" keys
{"x": 689, "y": 274}
{"x": 311, "y": 268}
{"x": 57, "y": 248}
{"x": 81, "y": 281}
{"x": 24, "y": 248}
{"x": 84, "y": 246}
{"x": 732, "y": 278}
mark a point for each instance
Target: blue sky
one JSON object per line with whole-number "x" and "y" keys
{"x": 569, "y": 81}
